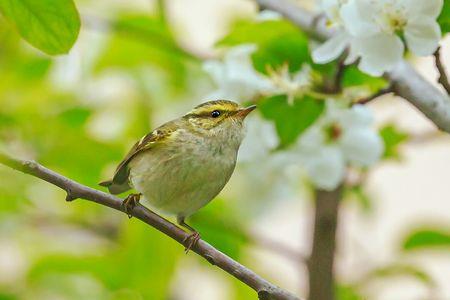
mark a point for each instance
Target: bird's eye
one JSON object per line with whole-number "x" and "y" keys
{"x": 215, "y": 114}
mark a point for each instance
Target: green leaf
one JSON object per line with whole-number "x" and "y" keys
{"x": 427, "y": 238}
{"x": 444, "y": 18}
{"x": 290, "y": 48}
{"x": 49, "y": 25}
{"x": 354, "y": 77}
{"x": 291, "y": 120}
{"x": 392, "y": 138}
{"x": 278, "y": 42}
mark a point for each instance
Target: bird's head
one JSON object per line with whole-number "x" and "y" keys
{"x": 220, "y": 120}
{"x": 219, "y": 114}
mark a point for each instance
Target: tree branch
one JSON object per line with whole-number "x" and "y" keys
{"x": 407, "y": 82}
{"x": 411, "y": 86}
{"x": 309, "y": 23}
{"x": 321, "y": 261}
{"x": 264, "y": 288}
{"x": 443, "y": 78}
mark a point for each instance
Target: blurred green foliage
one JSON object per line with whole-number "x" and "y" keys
{"x": 151, "y": 42}
{"x": 142, "y": 263}
{"x": 84, "y": 251}
{"x": 95, "y": 253}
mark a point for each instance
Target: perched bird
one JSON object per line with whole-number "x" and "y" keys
{"x": 182, "y": 165}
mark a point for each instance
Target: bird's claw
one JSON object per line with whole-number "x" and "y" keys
{"x": 130, "y": 202}
{"x": 191, "y": 241}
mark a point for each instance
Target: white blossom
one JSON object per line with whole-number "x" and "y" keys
{"x": 292, "y": 85}
{"x": 341, "y": 137}
{"x": 261, "y": 139}
{"x": 326, "y": 168}
{"x": 371, "y": 31}
{"x": 235, "y": 76}
{"x": 332, "y": 48}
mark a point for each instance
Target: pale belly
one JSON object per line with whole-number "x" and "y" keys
{"x": 182, "y": 181}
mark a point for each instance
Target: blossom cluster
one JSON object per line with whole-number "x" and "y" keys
{"x": 376, "y": 31}
{"x": 343, "y": 136}
{"x": 237, "y": 79}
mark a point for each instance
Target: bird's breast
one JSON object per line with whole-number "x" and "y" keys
{"x": 184, "y": 174}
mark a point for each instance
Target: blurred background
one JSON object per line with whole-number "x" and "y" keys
{"x": 137, "y": 64}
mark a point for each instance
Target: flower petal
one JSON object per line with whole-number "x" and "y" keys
{"x": 358, "y": 116}
{"x": 423, "y": 36}
{"x": 362, "y": 146}
{"x": 358, "y": 18}
{"x": 312, "y": 139}
{"x": 379, "y": 53}
{"x": 331, "y": 49}
{"x": 261, "y": 139}
{"x": 331, "y": 9}
{"x": 423, "y": 8}
{"x": 235, "y": 76}
{"x": 326, "y": 169}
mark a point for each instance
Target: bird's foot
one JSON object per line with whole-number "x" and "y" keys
{"x": 191, "y": 241}
{"x": 130, "y": 202}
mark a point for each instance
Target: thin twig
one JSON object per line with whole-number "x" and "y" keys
{"x": 74, "y": 190}
{"x": 426, "y": 137}
{"x": 339, "y": 75}
{"x": 334, "y": 86}
{"x": 387, "y": 90}
{"x": 443, "y": 78}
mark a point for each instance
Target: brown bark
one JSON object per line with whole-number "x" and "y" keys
{"x": 321, "y": 261}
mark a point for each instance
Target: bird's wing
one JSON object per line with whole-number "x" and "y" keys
{"x": 120, "y": 183}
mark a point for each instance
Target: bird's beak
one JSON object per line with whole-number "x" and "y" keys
{"x": 243, "y": 112}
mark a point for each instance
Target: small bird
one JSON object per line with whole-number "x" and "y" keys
{"x": 182, "y": 165}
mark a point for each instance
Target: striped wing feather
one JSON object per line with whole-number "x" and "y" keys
{"x": 120, "y": 182}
